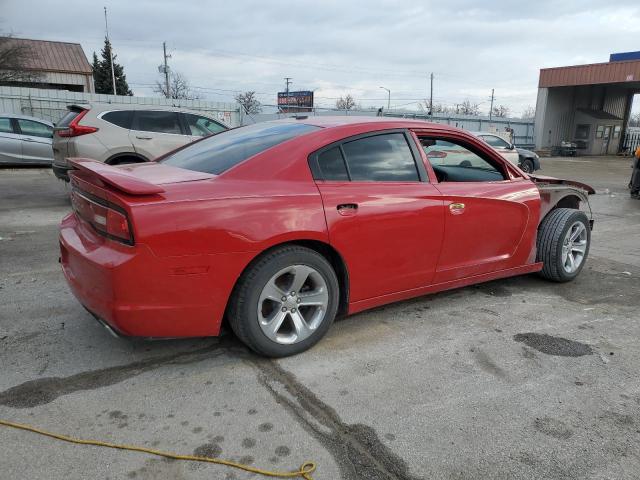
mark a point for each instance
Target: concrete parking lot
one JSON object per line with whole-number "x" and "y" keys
{"x": 513, "y": 379}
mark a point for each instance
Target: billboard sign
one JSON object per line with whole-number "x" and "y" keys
{"x": 301, "y": 101}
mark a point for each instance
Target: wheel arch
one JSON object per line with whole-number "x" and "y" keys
{"x": 133, "y": 155}
{"x": 323, "y": 248}
{"x": 562, "y": 197}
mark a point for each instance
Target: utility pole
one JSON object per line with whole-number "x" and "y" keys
{"x": 388, "y": 97}
{"x": 491, "y": 107}
{"x": 113, "y": 73}
{"x": 287, "y": 82}
{"x": 166, "y": 69}
{"x": 431, "y": 97}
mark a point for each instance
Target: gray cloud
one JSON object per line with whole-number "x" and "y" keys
{"x": 338, "y": 47}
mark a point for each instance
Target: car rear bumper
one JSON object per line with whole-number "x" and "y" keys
{"x": 61, "y": 172}
{"x": 135, "y": 293}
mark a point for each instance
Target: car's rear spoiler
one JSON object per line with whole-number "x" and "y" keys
{"x": 115, "y": 177}
{"x": 559, "y": 181}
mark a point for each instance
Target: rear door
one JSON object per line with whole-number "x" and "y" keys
{"x": 490, "y": 216}
{"x": 36, "y": 141}
{"x": 382, "y": 214}
{"x": 10, "y": 141}
{"x": 156, "y": 132}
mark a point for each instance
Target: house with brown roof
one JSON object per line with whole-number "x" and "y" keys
{"x": 54, "y": 65}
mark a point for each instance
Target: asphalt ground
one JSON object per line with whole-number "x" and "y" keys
{"x": 512, "y": 379}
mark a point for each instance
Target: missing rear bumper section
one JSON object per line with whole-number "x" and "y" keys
{"x": 109, "y": 328}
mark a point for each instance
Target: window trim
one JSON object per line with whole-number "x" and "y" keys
{"x": 318, "y": 176}
{"x": 134, "y": 122}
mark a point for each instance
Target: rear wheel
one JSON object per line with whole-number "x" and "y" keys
{"x": 527, "y": 165}
{"x": 563, "y": 244}
{"x": 285, "y": 302}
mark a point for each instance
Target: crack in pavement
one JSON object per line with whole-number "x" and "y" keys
{"x": 356, "y": 448}
{"x": 44, "y": 390}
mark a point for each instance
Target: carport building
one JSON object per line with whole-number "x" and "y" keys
{"x": 587, "y": 104}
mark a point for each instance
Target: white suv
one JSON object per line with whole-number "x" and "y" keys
{"x": 117, "y": 134}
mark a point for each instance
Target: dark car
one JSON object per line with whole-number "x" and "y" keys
{"x": 529, "y": 161}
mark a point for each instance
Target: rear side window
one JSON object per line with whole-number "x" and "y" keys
{"x": 332, "y": 165}
{"x": 157, "y": 121}
{"x": 381, "y": 158}
{"x": 202, "y": 126}
{"x": 226, "y": 149}
{"x": 5, "y": 125}
{"x": 34, "y": 129}
{"x": 120, "y": 118}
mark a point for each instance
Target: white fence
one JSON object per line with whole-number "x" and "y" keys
{"x": 51, "y": 104}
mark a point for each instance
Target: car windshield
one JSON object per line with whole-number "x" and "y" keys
{"x": 222, "y": 151}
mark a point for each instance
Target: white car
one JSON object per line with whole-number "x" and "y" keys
{"x": 25, "y": 140}
{"x": 499, "y": 144}
{"x": 125, "y": 133}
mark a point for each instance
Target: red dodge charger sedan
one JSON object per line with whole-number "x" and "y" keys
{"x": 279, "y": 227}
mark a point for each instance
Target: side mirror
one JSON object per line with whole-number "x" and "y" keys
{"x": 511, "y": 146}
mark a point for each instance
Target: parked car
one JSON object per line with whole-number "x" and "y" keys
{"x": 25, "y": 140}
{"x": 280, "y": 226}
{"x": 118, "y": 134}
{"x": 527, "y": 160}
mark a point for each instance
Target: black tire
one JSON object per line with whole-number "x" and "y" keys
{"x": 125, "y": 160}
{"x": 551, "y": 234}
{"x": 527, "y": 165}
{"x": 243, "y": 305}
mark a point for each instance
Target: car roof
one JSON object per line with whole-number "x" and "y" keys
{"x": 27, "y": 117}
{"x": 100, "y": 107}
{"x": 388, "y": 122}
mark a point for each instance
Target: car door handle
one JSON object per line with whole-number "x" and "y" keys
{"x": 456, "y": 208}
{"x": 346, "y": 209}
{"x": 143, "y": 138}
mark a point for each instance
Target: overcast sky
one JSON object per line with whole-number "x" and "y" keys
{"x": 340, "y": 47}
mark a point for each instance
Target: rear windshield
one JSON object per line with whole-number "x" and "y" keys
{"x": 226, "y": 149}
{"x": 69, "y": 116}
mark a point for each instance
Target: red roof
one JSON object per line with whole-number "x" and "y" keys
{"x": 54, "y": 56}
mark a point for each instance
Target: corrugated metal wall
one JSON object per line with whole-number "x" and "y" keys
{"x": 51, "y": 104}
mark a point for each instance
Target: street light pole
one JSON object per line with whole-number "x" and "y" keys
{"x": 388, "y": 98}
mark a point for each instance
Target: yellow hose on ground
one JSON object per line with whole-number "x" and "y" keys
{"x": 305, "y": 470}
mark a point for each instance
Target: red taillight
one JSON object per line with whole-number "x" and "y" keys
{"x": 104, "y": 219}
{"x": 74, "y": 130}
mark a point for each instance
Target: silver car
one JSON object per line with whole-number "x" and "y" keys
{"x": 117, "y": 134}
{"x": 25, "y": 140}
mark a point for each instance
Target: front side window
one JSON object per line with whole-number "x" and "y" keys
{"x": 381, "y": 158}
{"x": 495, "y": 142}
{"x": 226, "y": 149}
{"x": 5, "y": 125}
{"x": 202, "y": 126}
{"x": 35, "y": 129}
{"x": 453, "y": 162}
{"x": 158, "y": 121}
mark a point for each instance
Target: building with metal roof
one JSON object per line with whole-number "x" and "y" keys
{"x": 587, "y": 104}
{"x": 56, "y": 65}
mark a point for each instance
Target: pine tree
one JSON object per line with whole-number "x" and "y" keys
{"x": 102, "y": 73}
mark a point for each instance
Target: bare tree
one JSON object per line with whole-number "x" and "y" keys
{"x": 500, "y": 111}
{"x": 346, "y": 103}
{"x": 179, "y": 88}
{"x": 249, "y": 102}
{"x": 15, "y": 60}
{"x": 528, "y": 113}
{"x": 437, "y": 107}
{"x": 469, "y": 108}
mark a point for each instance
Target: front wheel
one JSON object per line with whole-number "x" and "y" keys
{"x": 563, "y": 244}
{"x": 527, "y": 166}
{"x": 285, "y": 302}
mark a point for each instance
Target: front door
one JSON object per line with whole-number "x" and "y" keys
{"x": 36, "y": 141}
{"x": 486, "y": 213}
{"x": 10, "y": 142}
{"x": 382, "y": 215}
